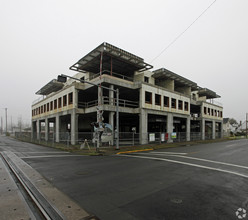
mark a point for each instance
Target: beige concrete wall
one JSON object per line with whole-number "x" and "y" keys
{"x": 211, "y": 107}
{"x": 185, "y": 90}
{"x": 140, "y": 76}
{"x": 53, "y": 97}
{"x": 167, "y": 84}
{"x": 159, "y": 91}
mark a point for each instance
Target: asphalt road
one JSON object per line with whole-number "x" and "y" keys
{"x": 208, "y": 181}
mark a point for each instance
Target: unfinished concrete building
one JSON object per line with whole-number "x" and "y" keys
{"x": 156, "y": 102}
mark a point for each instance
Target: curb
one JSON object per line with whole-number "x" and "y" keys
{"x": 59, "y": 201}
{"x": 134, "y": 151}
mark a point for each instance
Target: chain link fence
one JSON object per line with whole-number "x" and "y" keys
{"x": 83, "y": 139}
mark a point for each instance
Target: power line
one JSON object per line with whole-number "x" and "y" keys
{"x": 172, "y": 42}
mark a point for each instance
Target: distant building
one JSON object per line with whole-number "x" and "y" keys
{"x": 158, "y": 101}
{"x": 228, "y": 129}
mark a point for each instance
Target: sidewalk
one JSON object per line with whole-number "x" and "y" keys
{"x": 13, "y": 205}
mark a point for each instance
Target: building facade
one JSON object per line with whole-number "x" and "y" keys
{"x": 157, "y": 101}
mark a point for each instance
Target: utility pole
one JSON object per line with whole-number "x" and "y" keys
{"x": 117, "y": 119}
{"x": 11, "y": 126}
{"x": 1, "y": 125}
{"x": 246, "y": 126}
{"x": 6, "y": 121}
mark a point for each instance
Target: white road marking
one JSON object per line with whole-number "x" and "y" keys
{"x": 27, "y": 157}
{"x": 232, "y": 145}
{"x": 40, "y": 152}
{"x": 210, "y": 161}
{"x": 188, "y": 164}
{"x": 175, "y": 153}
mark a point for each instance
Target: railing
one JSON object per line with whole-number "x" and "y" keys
{"x": 107, "y": 72}
{"x": 214, "y": 102}
{"x": 109, "y": 101}
{"x": 38, "y": 100}
{"x": 125, "y": 138}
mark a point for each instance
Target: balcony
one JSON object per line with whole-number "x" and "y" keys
{"x": 108, "y": 101}
{"x": 106, "y": 72}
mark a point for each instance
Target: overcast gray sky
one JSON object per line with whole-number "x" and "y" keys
{"x": 41, "y": 39}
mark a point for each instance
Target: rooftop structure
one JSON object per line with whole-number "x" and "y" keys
{"x": 114, "y": 59}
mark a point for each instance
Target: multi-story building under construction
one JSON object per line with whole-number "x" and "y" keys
{"x": 153, "y": 105}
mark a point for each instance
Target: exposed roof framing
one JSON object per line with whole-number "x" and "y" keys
{"x": 121, "y": 61}
{"x": 208, "y": 93}
{"x": 50, "y": 87}
{"x": 162, "y": 74}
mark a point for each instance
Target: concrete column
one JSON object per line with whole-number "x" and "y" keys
{"x": 57, "y": 127}
{"x": 75, "y": 98}
{"x": 188, "y": 129}
{"x": 100, "y": 96}
{"x": 141, "y": 97}
{"x": 111, "y": 122}
{"x": 213, "y": 129}
{"x": 111, "y": 114}
{"x": 74, "y": 127}
{"x": 203, "y": 129}
{"x": 169, "y": 126}
{"x": 143, "y": 121}
{"x": 111, "y": 95}
{"x": 34, "y": 130}
{"x": 46, "y": 129}
{"x": 38, "y": 129}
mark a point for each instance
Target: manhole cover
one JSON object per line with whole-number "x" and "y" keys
{"x": 177, "y": 201}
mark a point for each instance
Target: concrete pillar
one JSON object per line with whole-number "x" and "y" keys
{"x": 203, "y": 129}
{"x": 111, "y": 95}
{"x": 57, "y": 128}
{"x": 143, "y": 121}
{"x": 46, "y": 129}
{"x": 38, "y": 129}
{"x": 74, "y": 127}
{"x": 111, "y": 114}
{"x": 169, "y": 126}
{"x": 141, "y": 98}
{"x": 111, "y": 122}
{"x": 188, "y": 129}
{"x": 34, "y": 130}
{"x": 75, "y": 98}
{"x": 100, "y": 96}
{"x": 213, "y": 129}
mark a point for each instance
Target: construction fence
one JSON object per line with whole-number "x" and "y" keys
{"x": 109, "y": 140}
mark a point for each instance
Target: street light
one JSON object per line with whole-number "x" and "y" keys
{"x": 62, "y": 78}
